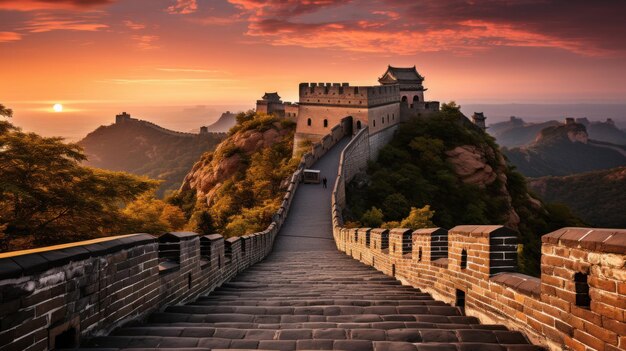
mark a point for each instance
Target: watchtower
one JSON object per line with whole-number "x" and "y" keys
{"x": 270, "y": 103}
{"x": 479, "y": 120}
{"x": 411, "y": 83}
{"x": 122, "y": 117}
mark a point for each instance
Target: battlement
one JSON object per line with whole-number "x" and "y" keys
{"x": 126, "y": 118}
{"x": 579, "y": 303}
{"x": 344, "y": 94}
{"x": 52, "y": 297}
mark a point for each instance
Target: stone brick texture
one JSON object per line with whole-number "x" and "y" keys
{"x": 94, "y": 286}
{"x": 579, "y": 303}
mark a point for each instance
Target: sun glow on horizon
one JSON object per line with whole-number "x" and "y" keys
{"x": 57, "y": 108}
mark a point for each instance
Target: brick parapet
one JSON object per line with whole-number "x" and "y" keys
{"x": 544, "y": 308}
{"x": 91, "y": 287}
{"x": 579, "y": 303}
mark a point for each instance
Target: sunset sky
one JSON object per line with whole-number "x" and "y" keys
{"x": 99, "y": 57}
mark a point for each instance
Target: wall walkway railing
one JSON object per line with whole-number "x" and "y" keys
{"x": 53, "y": 296}
{"x": 579, "y": 303}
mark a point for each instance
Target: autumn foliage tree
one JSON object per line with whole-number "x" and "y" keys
{"x": 47, "y": 197}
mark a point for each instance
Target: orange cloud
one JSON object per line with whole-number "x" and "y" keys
{"x": 146, "y": 42}
{"x": 47, "y": 22}
{"x": 372, "y": 37}
{"x": 133, "y": 25}
{"x": 405, "y": 28}
{"x": 183, "y": 7}
{"x": 9, "y": 36}
{"x": 33, "y": 5}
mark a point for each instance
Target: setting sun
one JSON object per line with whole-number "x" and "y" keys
{"x": 57, "y": 108}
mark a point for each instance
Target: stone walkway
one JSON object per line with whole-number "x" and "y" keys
{"x": 308, "y": 296}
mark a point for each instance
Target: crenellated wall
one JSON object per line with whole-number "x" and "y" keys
{"x": 579, "y": 303}
{"x": 52, "y": 297}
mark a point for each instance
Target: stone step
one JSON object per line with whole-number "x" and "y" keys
{"x": 168, "y": 317}
{"x": 291, "y": 340}
{"x": 332, "y": 310}
{"x": 316, "y": 284}
{"x": 317, "y": 302}
{"x": 232, "y": 297}
{"x": 355, "y": 293}
{"x": 323, "y": 325}
{"x": 422, "y": 335}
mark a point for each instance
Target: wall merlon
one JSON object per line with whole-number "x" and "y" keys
{"x": 578, "y": 303}
{"x": 95, "y": 286}
{"x": 603, "y": 240}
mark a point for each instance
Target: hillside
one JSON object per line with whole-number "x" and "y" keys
{"x": 226, "y": 121}
{"x": 563, "y": 150}
{"x": 140, "y": 148}
{"x": 456, "y": 169}
{"x": 235, "y": 189}
{"x": 604, "y": 131}
{"x": 516, "y": 132}
{"x": 597, "y": 197}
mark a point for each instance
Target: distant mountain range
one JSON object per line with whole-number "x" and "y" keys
{"x": 597, "y": 197}
{"x": 226, "y": 121}
{"x": 565, "y": 149}
{"x": 143, "y": 148}
{"x": 516, "y": 132}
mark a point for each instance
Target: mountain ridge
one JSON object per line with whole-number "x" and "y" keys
{"x": 563, "y": 150}
{"x": 144, "y": 148}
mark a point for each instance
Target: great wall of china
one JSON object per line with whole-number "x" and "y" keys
{"x": 54, "y": 297}
{"x": 579, "y": 302}
{"x": 126, "y": 118}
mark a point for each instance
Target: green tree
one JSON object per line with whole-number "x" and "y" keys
{"x": 415, "y": 164}
{"x": 419, "y": 218}
{"x": 147, "y": 214}
{"x": 372, "y": 218}
{"x": 47, "y": 197}
{"x": 201, "y": 221}
{"x": 395, "y": 207}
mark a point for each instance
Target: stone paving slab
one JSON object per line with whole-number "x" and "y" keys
{"x": 308, "y": 296}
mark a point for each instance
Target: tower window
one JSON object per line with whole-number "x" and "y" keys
{"x": 463, "y": 259}
{"x": 374, "y": 123}
{"x": 582, "y": 290}
{"x": 308, "y": 122}
{"x": 358, "y": 124}
{"x": 325, "y": 123}
{"x": 460, "y": 299}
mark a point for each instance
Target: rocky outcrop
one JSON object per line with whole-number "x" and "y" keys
{"x": 573, "y": 132}
{"x": 471, "y": 165}
{"x": 213, "y": 169}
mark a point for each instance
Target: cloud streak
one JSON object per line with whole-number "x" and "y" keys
{"x": 6, "y": 37}
{"x": 44, "y": 22}
{"x": 188, "y": 70}
{"x": 461, "y": 26}
{"x": 134, "y": 25}
{"x": 146, "y": 42}
{"x": 183, "y": 7}
{"x": 34, "y": 5}
{"x": 174, "y": 81}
